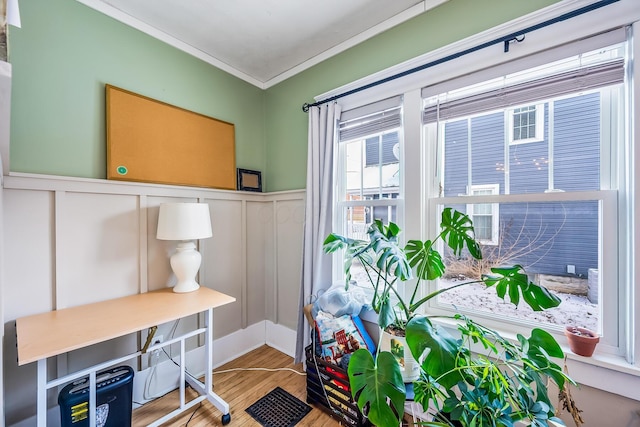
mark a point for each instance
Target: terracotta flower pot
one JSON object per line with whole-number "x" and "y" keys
{"x": 581, "y": 341}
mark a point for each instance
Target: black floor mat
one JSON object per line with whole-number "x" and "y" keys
{"x": 278, "y": 409}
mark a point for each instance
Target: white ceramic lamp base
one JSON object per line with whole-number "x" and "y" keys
{"x": 185, "y": 264}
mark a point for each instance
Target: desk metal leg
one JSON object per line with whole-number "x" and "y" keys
{"x": 92, "y": 398}
{"x": 208, "y": 351}
{"x": 42, "y": 393}
{"x": 206, "y": 389}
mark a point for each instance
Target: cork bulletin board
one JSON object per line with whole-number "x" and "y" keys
{"x": 151, "y": 141}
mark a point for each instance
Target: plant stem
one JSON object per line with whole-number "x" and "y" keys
{"x": 412, "y": 307}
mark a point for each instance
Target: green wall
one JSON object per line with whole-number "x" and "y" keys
{"x": 65, "y": 52}
{"x": 61, "y": 59}
{"x": 286, "y": 124}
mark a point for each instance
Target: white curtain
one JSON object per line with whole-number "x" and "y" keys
{"x": 316, "y": 266}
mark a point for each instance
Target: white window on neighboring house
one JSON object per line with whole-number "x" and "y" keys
{"x": 485, "y": 216}
{"x": 526, "y": 124}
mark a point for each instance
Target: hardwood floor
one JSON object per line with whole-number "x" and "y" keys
{"x": 240, "y": 389}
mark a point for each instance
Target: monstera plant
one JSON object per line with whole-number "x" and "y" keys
{"x": 471, "y": 376}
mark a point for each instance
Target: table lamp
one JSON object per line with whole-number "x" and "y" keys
{"x": 184, "y": 222}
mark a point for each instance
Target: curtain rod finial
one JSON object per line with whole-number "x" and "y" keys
{"x": 305, "y": 107}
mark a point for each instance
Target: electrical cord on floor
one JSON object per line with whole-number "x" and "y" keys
{"x": 192, "y": 414}
{"x": 260, "y": 369}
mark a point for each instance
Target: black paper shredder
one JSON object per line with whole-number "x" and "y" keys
{"x": 113, "y": 399}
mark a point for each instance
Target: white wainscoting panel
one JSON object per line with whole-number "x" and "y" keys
{"x": 97, "y": 247}
{"x": 70, "y": 241}
{"x": 28, "y": 286}
{"x": 289, "y": 229}
{"x": 222, "y": 262}
{"x": 259, "y": 226}
{"x": 28, "y": 246}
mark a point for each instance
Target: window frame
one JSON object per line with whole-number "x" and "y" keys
{"x": 613, "y": 325}
{"x": 340, "y": 222}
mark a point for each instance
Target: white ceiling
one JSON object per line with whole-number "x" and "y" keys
{"x": 262, "y": 41}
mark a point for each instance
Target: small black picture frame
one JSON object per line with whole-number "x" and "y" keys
{"x": 249, "y": 180}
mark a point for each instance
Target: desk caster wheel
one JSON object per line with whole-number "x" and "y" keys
{"x": 226, "y": 419}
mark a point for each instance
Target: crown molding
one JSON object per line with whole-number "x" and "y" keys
{"x": 154, "y": 32}
{"x": 398, "y": 19}
{"x": 129, "y": 20}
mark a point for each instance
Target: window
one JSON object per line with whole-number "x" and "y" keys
{"x": 485, "y": 216}
{"x": 526, "y": 123}
{"x": 387, "y": 144}
{"x": 576, "y": 183}
{"x": 368, "y": 172}
{"x": 550, "y": 204}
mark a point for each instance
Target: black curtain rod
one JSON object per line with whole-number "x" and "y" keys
{"x": 513, "y": 37}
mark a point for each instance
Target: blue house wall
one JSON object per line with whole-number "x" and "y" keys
{"x": 543, "y": 237}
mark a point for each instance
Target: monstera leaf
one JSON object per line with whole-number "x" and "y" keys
{"x": 386, "y": 313}
{"x": 427, "y": 261}
{"x": 457, "y": 232}
{"x": 440, "y": 361}
{"x": 538, "y": 348}
{"x": 516, "y": 283}
{"x": 354, "y": 249}
{"x": 391, "y": 258}
{"x": 373, "y": 382}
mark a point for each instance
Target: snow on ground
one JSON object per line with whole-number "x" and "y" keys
{"x": 573, "y": 310}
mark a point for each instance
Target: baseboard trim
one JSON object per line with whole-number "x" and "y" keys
{"x": 281, "y": 338}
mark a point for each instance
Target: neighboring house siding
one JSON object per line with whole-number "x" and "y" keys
{"x": 456, "y": 166}
{"x": 487, "y": 149}
{"x": 554, "y": 235}
{"x": 373, "y": 149}
{"x": 577, "y": 143}
{"x": 543, "y": 244}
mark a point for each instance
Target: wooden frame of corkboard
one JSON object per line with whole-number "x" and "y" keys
{"x": 151, "y": 141}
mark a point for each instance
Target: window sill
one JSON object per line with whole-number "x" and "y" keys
{"x": 605, "y": 372}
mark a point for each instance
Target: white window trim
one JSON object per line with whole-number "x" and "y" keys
{"x": 539, "y": 125}
{"x": 495, "y": 211}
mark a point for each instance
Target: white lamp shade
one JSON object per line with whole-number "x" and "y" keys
{"x": 184, "y": 221}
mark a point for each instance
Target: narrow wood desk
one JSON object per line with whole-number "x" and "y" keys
{"x": 49, "y": 334}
